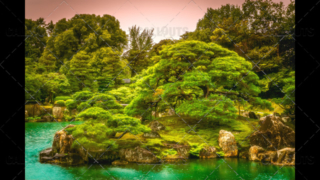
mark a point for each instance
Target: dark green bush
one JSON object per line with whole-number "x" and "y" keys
{"x": 71, "y": 104}
{"x": 60, "y": 103}
{"x": 82, "y": 96}
{"x": 64, "y": 98}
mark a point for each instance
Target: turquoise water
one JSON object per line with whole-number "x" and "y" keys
{"x": 39, "y": 136}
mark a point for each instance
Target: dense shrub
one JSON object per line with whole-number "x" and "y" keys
{"x": 82, "y": 96}
{"x": 122, "y": 123}
{"x": 83, "y": 106}
{"x": 64, "y": 98}
{"x": 95, "y": 113}
{"x": 60, "y": 103}
{"x": 195, "y": 149}
{"x": 123, "y": 94}
{"x": 71, "y": 104}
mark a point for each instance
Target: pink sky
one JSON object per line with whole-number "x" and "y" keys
{"x": 177, "y": 16}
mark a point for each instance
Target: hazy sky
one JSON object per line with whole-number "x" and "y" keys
{"x": 169, "y": 18}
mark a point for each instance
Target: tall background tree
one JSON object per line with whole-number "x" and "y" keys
{"x": 140, "y": 44}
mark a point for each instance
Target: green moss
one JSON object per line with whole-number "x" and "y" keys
{"x": 153, "y": 143}
{"x": 124, "y": 144}
{"x": 220, "y": 154}
{"x": 60, "y": 103}
{"x": 196, "y": 148}
{"x": 177, "y": 130}
{"x": 71, "y": 104}
{"x": 33, "y": 118}
{"x": 64, "y": 98}
{"x": 169, "y": 152}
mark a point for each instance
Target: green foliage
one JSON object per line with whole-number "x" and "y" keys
{"x": 220, "y": 154}
{"x": 83, "y": 106}
{"x": 55, "y": 83}
{"x": 95, "y": 114}
{"x": 252, "y": 31}
{"x": 287, "y": 102}
{"x": 123, "y": 94}
{"x": 209, "y": 109}
{"x": 169, "y": 152}
{"x": 105, "y": 101}
{"x": 33, "y": 118}
{"x": 37, "y": 37}
{"x": 71, "y": 104}
{"x": 106, "y": 66}
{"x": 192, "y": 90}
{"x": 122, "y": 123}
{"x": 33, "y": 85}
{"x": 64, "y": 98}
{"x": 80, "y": 74}
{"x": 87, "y": 52}
{"x": 92, "y": 136}
{"x": 140, "y": 44}
{"x": 100, "y": 125}
{"x": 67, "y": 117}
{"x": 196, "y": 148}
{"x": 82, "y": 96}
{"x": 60, "y": 103}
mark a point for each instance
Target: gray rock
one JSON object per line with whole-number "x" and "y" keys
{"x": 273, "y": 134}
{"x": 208, "y": 152}
{"x": 156, "y": 126}
{"x": 228, "y": 143}
{"x": 138, "y": 155}
{"x": 152, "y": 135}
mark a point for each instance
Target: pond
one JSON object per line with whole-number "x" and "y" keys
{"x": 39, "y": 136}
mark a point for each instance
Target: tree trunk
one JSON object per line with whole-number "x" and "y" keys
{"x": 123, "y": 134}
{"x": 205, "y": 90}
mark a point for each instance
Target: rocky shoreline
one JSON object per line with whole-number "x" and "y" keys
{"x": 273, "y": 142}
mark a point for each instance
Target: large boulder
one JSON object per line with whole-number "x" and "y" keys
{"x": 100, "y": 155}
{"x": 273, "y": 134}
{"x": 62, "y": 141}
{"x": 57, "y": 112}
{"x": 183, "y": 151}
{"x": 47, "y": 156}
{"x": 284, "y": 156}
{"x": 61, "y": 151}
{"x": 138, "y": 155}
{"x": 254, "y": 152}
{"x": 228, "y": 143}
{"x": 33, "y": 110}
{"x": 151, "y": 134}
{"x": 208, "y": 152}
{"x": 182, "y": 148}
{"x": 156, "y": 126}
